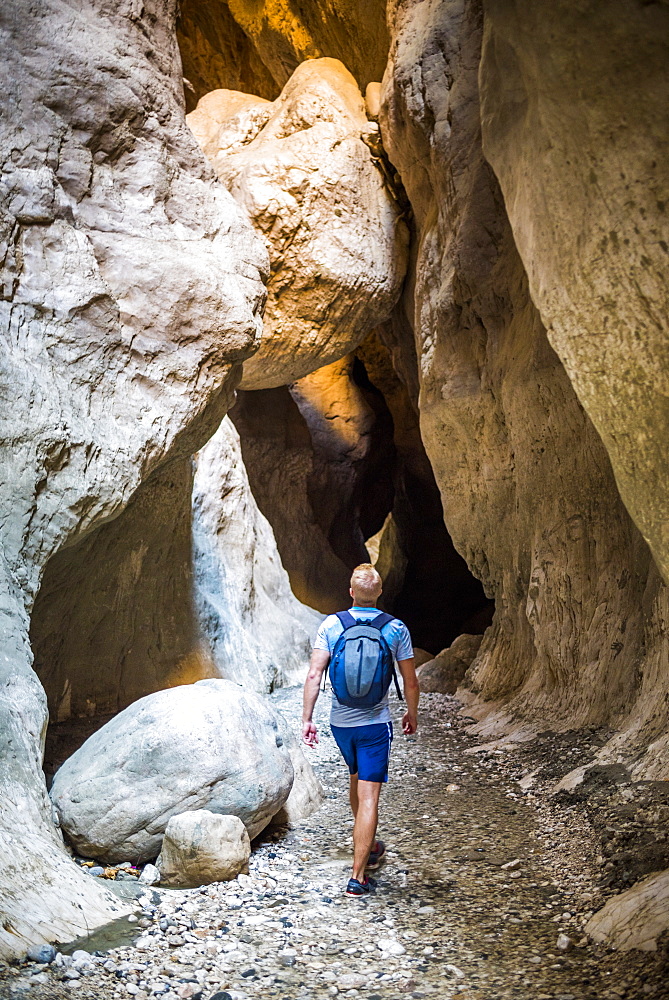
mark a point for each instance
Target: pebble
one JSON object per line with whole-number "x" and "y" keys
{"x": 42, "y": 953}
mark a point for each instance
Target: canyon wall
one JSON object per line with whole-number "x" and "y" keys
{"x": 131, "y": 290}
{"x": 528, "y": 492}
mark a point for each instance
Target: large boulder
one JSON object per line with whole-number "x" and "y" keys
{"x": 210, "y": 745}
{"x": 200, "y": 847}
{"x": 317, "y": 192}
{"x": 306, "y": 795}
{"x": 444, "y": 673}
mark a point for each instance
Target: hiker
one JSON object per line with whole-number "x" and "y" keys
{"x": 359, "y": 646}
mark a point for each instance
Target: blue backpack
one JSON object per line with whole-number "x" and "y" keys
{"x": 361, "y": 666}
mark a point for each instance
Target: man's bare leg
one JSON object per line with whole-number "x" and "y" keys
{"x": 353, "y": 794}
{"x": 364, "y": 829}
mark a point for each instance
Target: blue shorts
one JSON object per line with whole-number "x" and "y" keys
{"x": 366, "y": 749}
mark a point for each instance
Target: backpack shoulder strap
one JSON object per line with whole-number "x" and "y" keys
{"x": 381, "y": 620}
{"x": 346, "y": 618}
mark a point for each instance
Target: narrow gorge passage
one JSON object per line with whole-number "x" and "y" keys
{"x": 483, "y": 877}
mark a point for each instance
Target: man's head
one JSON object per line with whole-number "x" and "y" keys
{"x": 366, "y": 584}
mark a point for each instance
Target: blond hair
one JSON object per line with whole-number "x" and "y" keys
{"x": 366, "y": 582}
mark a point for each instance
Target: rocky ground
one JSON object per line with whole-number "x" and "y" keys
{"x": 486, "y": 888}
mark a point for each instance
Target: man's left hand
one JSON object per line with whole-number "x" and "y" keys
{"x": 409, "y": 724}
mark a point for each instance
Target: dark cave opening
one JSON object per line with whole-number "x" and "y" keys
{"x": 326, "y": 494}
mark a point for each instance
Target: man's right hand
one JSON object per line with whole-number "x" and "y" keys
{"x": 309, "y": 734}
{"x": 409, "y": 724}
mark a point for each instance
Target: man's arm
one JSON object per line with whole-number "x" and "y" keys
{"x": 411, "y": 694}
{"x": 319, "y": 661}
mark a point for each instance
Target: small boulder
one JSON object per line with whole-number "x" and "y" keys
{"x": 444, "y": 673}
{"x": 210, "y": 745}
{"x": 201, "y": 847}
{"x": 150, "y": 875}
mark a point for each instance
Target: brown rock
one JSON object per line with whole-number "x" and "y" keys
{"x": 445, "y": 672}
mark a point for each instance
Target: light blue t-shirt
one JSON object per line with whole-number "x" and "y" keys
{"x": 396, "y": 635}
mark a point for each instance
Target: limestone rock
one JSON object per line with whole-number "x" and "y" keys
{"x": 600, "y": 285}
{"x": 259, "y": 633}
{"x": 538, "y": 520}
{"x": 200, "y": 847}
{"x": 445, "y": 672}
{"x": 110, "y": 223}
{"x": 210, "y": 745}
{"x": 313, "y": 188}
{"x": 635, "y": 918}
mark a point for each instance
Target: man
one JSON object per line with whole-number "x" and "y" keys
{"x": 363, "y": 735}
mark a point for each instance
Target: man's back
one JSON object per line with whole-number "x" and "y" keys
{"x": 396, "y": 635}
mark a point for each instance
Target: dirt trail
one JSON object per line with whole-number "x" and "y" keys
{"x": 448, "y": 918}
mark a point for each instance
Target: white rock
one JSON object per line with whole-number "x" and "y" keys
{"x": 200, "y": 847}
{"x": 453, "y": 970}
{"x": 390, "y": 946}
{"x": 207, "y": 745}
{"x": 150, "y": 875}
{"x": 564, "y": 942}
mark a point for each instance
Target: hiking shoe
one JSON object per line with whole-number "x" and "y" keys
{"x": 355, "y": 888}
{"x": 376, "y": 855}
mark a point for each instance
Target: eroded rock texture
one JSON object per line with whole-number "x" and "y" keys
{"x": 186, "y": 583}
{"x": 258, "y": 632}
{"x": 131, "y": 289}
{"x": 311, "y": 186}
{"x": 255, "y": 47}
{"x": 575, "y": 125}
{"x": 527, "y": 488}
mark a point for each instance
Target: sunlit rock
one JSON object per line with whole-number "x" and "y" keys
{"x": 445, "y": 672}
{"x": 318, "y": 194}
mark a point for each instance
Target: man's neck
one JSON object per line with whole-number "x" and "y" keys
{"x": 364, "y": 604}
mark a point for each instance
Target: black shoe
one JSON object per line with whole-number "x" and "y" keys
{"x": 376, "y": 855}
{"x": 355, "y": 888}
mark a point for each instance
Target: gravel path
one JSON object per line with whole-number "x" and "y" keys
{"x": 483, "y": 877}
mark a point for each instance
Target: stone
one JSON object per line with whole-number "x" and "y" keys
{"x": 208, "y": 745}
{"x": 446, "y": 671}
{"x": 150, "y": 875}
{"x": 564, "y": 942}
{"x": 42, "y": 953}
{"x": 390, "y": 946}
{"x": 200, "y": 847}
{"x": 312, "y": 187}
{"x": 256, "y": 48}
{"x": 636, "y": 918}
{"x": 111, "y": 220}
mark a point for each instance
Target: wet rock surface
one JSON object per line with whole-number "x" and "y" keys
{"x": 486, "y": 888}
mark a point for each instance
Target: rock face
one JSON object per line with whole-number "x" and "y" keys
{"x": 328, "y": 459}
{"x": 131, "y": 289}
{"x": 636, "y": 918}
{"x": 186, "y": 583}
{"x": 600, "y": 287}
{"x": 258, "y": 632}
{"x": 200, "y": 847}
{"x": 538, "y": 519}
{"x": 210, "y": 745}
{"x": 256, "y": 47}
{"x": 317, "y": 192}
{"x": 445, "y": 672}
